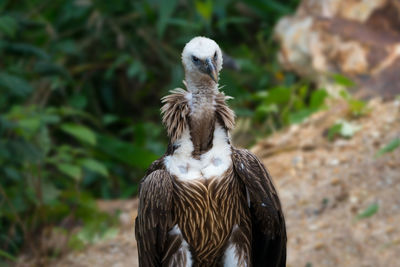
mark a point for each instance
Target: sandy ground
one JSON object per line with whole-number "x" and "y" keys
{"x": 323, "y": 185}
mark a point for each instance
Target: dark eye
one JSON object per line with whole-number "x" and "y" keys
{"x": 195, "y": 59}
{"x": 215, "y": 56}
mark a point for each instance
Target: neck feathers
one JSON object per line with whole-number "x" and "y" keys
{"x": 201, "y": 85}
{"x": 177, "y": 110}
{"x": 175, "y": 113}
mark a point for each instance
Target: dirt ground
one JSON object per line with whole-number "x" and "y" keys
{"x": 323, "y": 185}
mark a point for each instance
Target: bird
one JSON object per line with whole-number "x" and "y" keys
{"x": 206, "y": 202}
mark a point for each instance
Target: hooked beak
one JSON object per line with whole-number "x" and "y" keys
{"x": 212, "y": 70}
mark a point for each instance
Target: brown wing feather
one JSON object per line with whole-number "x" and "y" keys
{"x": 154, "y": 217}
{"x": 268, "y": 223}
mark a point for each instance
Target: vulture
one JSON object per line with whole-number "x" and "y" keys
{"x": 205, "y": 202}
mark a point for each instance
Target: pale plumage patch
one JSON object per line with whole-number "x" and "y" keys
{"x": 211, "y": 164}
{"x": 183, "y": 257}
{"x": 237, "y": 253}
{"x": 230, "y": 257}
{"x": 216, "y": 161}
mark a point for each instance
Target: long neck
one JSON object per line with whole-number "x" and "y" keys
{"x": 202, "y": 113}
{"x": 201, "y": 85}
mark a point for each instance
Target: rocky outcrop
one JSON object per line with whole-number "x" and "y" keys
{"x": 357, "y": 38}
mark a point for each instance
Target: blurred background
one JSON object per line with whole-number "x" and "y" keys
{"x": 315, "y": 87}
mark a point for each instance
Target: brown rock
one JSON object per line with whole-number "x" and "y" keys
{"x": 360, "y": 39}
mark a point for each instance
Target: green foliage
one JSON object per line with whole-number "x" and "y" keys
{"x": 343, "y": 80}
{"x": 357, "y": 107}
{"x": 394, "y": 144}
{"x": 81, "y": 132}
{"x": 369, "y": 211}
{"x": 7, "y": 255}
{"x": 288, "y": 104}
{"x": 342, "y": 128}
{"x": 80, "y": 84}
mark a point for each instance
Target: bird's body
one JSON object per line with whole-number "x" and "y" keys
{"x": 205, "y": 203}
{"x": 202, "y": 220}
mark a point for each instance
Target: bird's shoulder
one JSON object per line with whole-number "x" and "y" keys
{"x": 256, "y": 178}
{"x": 253, "y": 172}
{"x": 263, "y": 195}
{"x": 156, "y": 165}
{"x": 156, "y": 172}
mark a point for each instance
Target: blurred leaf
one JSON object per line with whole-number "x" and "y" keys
{"x": 395, "y": 143}
{"x": 368, "y": 212}
{"x": 267, "y": 7}
{"x": 25, "y": 50}
{"x": 12, "y": 173}
{"x": 50, "y": 192}
{"x": 44, "y": 141}
{"x": 110, "y": 233}
{"x": 244, "y": 112}
{"x": 204, "y": 8}
{"x": 318, "y": 98}
{"x": 14, "y": 84}
{"x": 136, "y": 70}
{"x": 334, "y": 130}
{"x": 120, "y": 60}
{"x": 223, "y": 23}
{"x": 165, "y": 10}
{"x": 30, "y": 124}
{"x": 70, "y": 170}
{"x": 358, "y": 107}
{"x": 343, "y": 80}
{"x": 47, "y": 68}
{"x": 95, "y": 166}
{"x": 78, "y": 101}
{"x": 7, "y": 255}
{"x": 126, "y": 152}
{"x": 8, "y": 25}
{"x": 109, "y": 119}
{"x": 278, "y": 95}
{"x": 184, "y": 23}
{"x": 66, "y": 111}
{"x": 3, "y": 4}
{"x": 68, "y": 47}
{"x": 300, "y": 116}
{"x": 343, "y": 128}
{"x": 75, "y": 243}
{"x": 24, "y": 151}
{"x": 80, "y": 132}
{"x": 266, "y": 109}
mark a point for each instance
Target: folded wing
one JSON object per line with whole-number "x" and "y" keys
{"x": 268, "y": 223}
{"x": 154, "y": 217}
